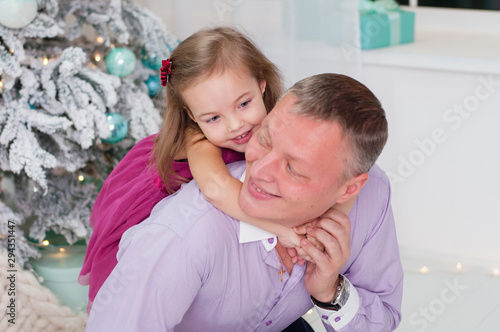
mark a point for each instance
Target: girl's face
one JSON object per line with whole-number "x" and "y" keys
{"x": 228, "y": 107}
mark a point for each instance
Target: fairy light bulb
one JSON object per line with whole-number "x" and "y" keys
{"x": 424, "y": 270}
{"x": 100, "y": 40}
{"x": 97, "y": 57}
{"x": 45, "y": 242}
{"x": 496, "y": 272}
{"x": 81, "y": 178}
{"x": 459, "y": 267}
{"x": 45, "y": 61}
{"x": 62, "y": 249}
{"x": 1, "y": 86}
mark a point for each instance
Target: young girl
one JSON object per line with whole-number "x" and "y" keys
{"x": 219, "y": 89}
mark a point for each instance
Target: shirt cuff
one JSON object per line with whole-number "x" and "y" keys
{"x": 339, "y": 319}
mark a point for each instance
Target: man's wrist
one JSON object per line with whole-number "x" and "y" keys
{"x": 339, "y": 298}
{"x": 327, "y": 298}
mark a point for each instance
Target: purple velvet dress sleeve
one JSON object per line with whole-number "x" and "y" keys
{"x": 127, "y": 197}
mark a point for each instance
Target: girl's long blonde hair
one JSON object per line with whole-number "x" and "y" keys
{"x": 202, "y": 54}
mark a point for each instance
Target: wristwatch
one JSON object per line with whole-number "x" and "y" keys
{"x": 339, "y": 298}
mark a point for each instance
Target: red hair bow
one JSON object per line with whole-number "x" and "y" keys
{"x": 166, "y": 69}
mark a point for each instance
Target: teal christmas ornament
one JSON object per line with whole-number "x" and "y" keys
{"x": 16, "y": 14}
{"x": 120, "y": 62}
{"x": 117, "y": 126}
{"x": 150, "y": 60}
{"x": 154, "y": 85}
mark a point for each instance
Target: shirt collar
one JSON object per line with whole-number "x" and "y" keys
{"x": 250, "y": 233}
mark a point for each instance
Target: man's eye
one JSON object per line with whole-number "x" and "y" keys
{"x": 212, "y": 119}
{"x": 293, "y": 171}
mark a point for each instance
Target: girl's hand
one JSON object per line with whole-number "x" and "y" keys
{"x": 289, "y": 239}
{"x": 297, "y": 253}
{"x": 302, "y": 230}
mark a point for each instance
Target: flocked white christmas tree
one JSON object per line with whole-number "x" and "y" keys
{"x": 79, "y": 87}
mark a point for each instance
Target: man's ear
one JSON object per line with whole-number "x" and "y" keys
{"x": 353, "y": 186}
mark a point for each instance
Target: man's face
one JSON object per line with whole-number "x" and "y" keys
{"x": 293, "y": 167}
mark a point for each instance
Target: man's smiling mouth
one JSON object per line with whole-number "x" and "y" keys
{"x": 263, "y": 191}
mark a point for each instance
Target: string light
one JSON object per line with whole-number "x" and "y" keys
{"x": 100, "y": 40}
{"x": 11, "y": 50}
{"x": 424, "y": 269}
{"x": 1, "y": 86}
{"x": 97, "y": 57}
{"x": 62, "y": 249}
{"x": 45, "y": 242}
{"x": 459, "y": 267}
{"x": 81, "y": 178}
{"x": 45, "y": 61}
{"x": 35, "y": 189}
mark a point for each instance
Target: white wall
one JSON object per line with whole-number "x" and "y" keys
{"x": 446, "y": 193}
{"x": 443, "y": 163}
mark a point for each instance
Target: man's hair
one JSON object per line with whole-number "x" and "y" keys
{"x": 339, "y": 98}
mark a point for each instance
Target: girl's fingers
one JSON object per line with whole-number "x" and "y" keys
{"x": 315, "y": 241}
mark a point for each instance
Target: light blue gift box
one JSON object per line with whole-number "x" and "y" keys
{"x": 383, "y": 23}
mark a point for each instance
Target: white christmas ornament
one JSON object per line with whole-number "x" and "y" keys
{"x": 15, "y": 14}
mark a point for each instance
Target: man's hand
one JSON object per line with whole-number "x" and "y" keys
{"x": 333, "y": 230}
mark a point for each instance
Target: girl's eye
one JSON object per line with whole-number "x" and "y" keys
{"x": 213, "y": 119}
{"x": 245, "y": 104}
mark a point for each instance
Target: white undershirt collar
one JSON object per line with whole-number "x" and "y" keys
{"x": 250, "y": 233}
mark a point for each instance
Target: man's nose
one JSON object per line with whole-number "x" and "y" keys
{"x": 265, "y": 167}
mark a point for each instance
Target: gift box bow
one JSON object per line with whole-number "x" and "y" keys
{"x": 385, "y": 7}
{"x": 378, "y": 7}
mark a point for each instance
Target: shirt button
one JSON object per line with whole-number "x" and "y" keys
{"x": 269, "y": 322}
{"x": 270, "y": 240}
{"x": 337, "y": 319}
{"x": 324, "y": 317}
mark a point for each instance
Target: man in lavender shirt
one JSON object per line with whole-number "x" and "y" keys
{"x": 190, "y": 267}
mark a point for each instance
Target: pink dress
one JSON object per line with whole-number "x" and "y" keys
{"x": 127, "y": 197}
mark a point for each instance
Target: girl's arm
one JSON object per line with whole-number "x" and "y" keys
{"x": 223, "y": 191}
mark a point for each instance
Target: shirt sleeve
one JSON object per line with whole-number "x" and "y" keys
{"x": 132, "y": 299}
{"x": 373, "y": 269}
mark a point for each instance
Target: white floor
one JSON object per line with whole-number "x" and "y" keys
{"x": 446, "y": 295}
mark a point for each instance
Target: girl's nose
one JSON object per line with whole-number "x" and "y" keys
{"x": 235, "y": 123}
